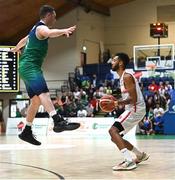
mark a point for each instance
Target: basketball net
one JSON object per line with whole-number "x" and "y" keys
{"x": 151, "y": 69}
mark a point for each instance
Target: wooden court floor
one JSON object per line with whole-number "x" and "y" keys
{"x": 79, "y": 157}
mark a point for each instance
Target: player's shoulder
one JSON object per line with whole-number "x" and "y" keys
{"x": 42, "y": 27}
{"x": 127, "y": 76}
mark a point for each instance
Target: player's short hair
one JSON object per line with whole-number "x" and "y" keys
{"x": 45, "y": 9}
{"x": 123, "y": 57}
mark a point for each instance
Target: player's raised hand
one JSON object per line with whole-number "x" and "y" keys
{"x": 69, "y": 31}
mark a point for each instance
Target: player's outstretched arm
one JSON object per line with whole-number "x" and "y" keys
{"x": 20, "y": 44}
{"x": 44, "y": 32}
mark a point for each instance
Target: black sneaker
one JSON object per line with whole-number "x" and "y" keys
{"x": 27, "y": 136}
{"x": 65, "y": 126}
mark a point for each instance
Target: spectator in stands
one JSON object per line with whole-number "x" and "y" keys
{"x": 102, "y": 89}
{"x": 70, "y": 109}
{"x": 78, "y": 103}
{"x": 64, "y": 98}
{"x": 84, "y": 100}
{"x": 108, "y": 90}
{"x": 85, "y": 82}
{"x": 58, "y": 104}
{"x": 161, "y": 89}
{"x": 18, "y": 112}
{"x": 153, "y": 87}
{"x": 142, "y": 88}
{"x": 146, "y": 126}
{"x": 149, "y": 103}
{"x": 98, "y": 93}
{"x": 156, "y": 96}
{"x": 90, "y": 110}
{"x": 90, "y": 91}
{"x": 24, "y": 110}
{"x": 94, "y": 81}
{"x": 94, "y": 103}
{"x": 168, "y": 99}
{"x": 82, "y": 112}
{"x": 160, "y": 99}
{"x": 82, "y": 93}
{"x": 158, "y": 124}
{"x": 76, "y": 93}
{"x": 168, "y": 86}
{"x": 158, "y": 111}
{"x": 150, "y": 114}
{"x": 70, "y": 96}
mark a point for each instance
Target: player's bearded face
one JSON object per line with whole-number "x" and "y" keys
{"x": 115, "y": 65}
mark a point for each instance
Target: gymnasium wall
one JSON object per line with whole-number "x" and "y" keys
{"x": 64, "y": 53}
{"x": 90, "y": 33}
{"x": 129, "y": 25}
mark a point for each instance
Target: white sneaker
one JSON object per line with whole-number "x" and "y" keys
{"x": 125, "y": 166}
{"x": 143, "y": 158}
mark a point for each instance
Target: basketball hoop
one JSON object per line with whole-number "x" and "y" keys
{"x": 150, "y": 67}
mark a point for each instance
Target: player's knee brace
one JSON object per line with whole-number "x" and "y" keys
{"x": 120, "y": 128}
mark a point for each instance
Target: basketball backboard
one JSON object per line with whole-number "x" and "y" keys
{"x": 160, "y": 57}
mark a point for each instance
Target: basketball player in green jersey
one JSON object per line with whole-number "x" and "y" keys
{"x": 30, "y": 62}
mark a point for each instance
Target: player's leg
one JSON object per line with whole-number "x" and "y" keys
{"x": 59, "y": 123}
{"x": 32, "y": 109}
{"x": 140, "y": 155}
{"x": 116, "y": 137}
{"x": 27, "y": 135}
{"x": 49, "y": 107}
{"x": 39, "y": 88}
{"x": 132, "y": 120}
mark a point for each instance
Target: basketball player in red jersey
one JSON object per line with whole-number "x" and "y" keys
{"x": 133, "y": 101}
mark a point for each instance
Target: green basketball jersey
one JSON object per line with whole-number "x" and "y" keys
{"x": 33, "y": 55}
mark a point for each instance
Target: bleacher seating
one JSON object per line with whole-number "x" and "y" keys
{"x": 147, "y": 81}
{"x": 99, "y": 69}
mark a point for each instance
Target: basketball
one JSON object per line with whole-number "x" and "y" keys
{"x": 107, "y": 103}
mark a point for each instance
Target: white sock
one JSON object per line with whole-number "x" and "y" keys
{"x": 136, "y": 152}
{"x": 29, "y": 123}
{"x": 52, "y": 113}
{"x": 126, "y": 154}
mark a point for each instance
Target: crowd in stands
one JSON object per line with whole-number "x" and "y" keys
{"x": 81, "y": 100}
{"x": 157, "y": 98}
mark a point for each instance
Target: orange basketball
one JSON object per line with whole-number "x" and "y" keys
{"x": 107, "y": 103}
